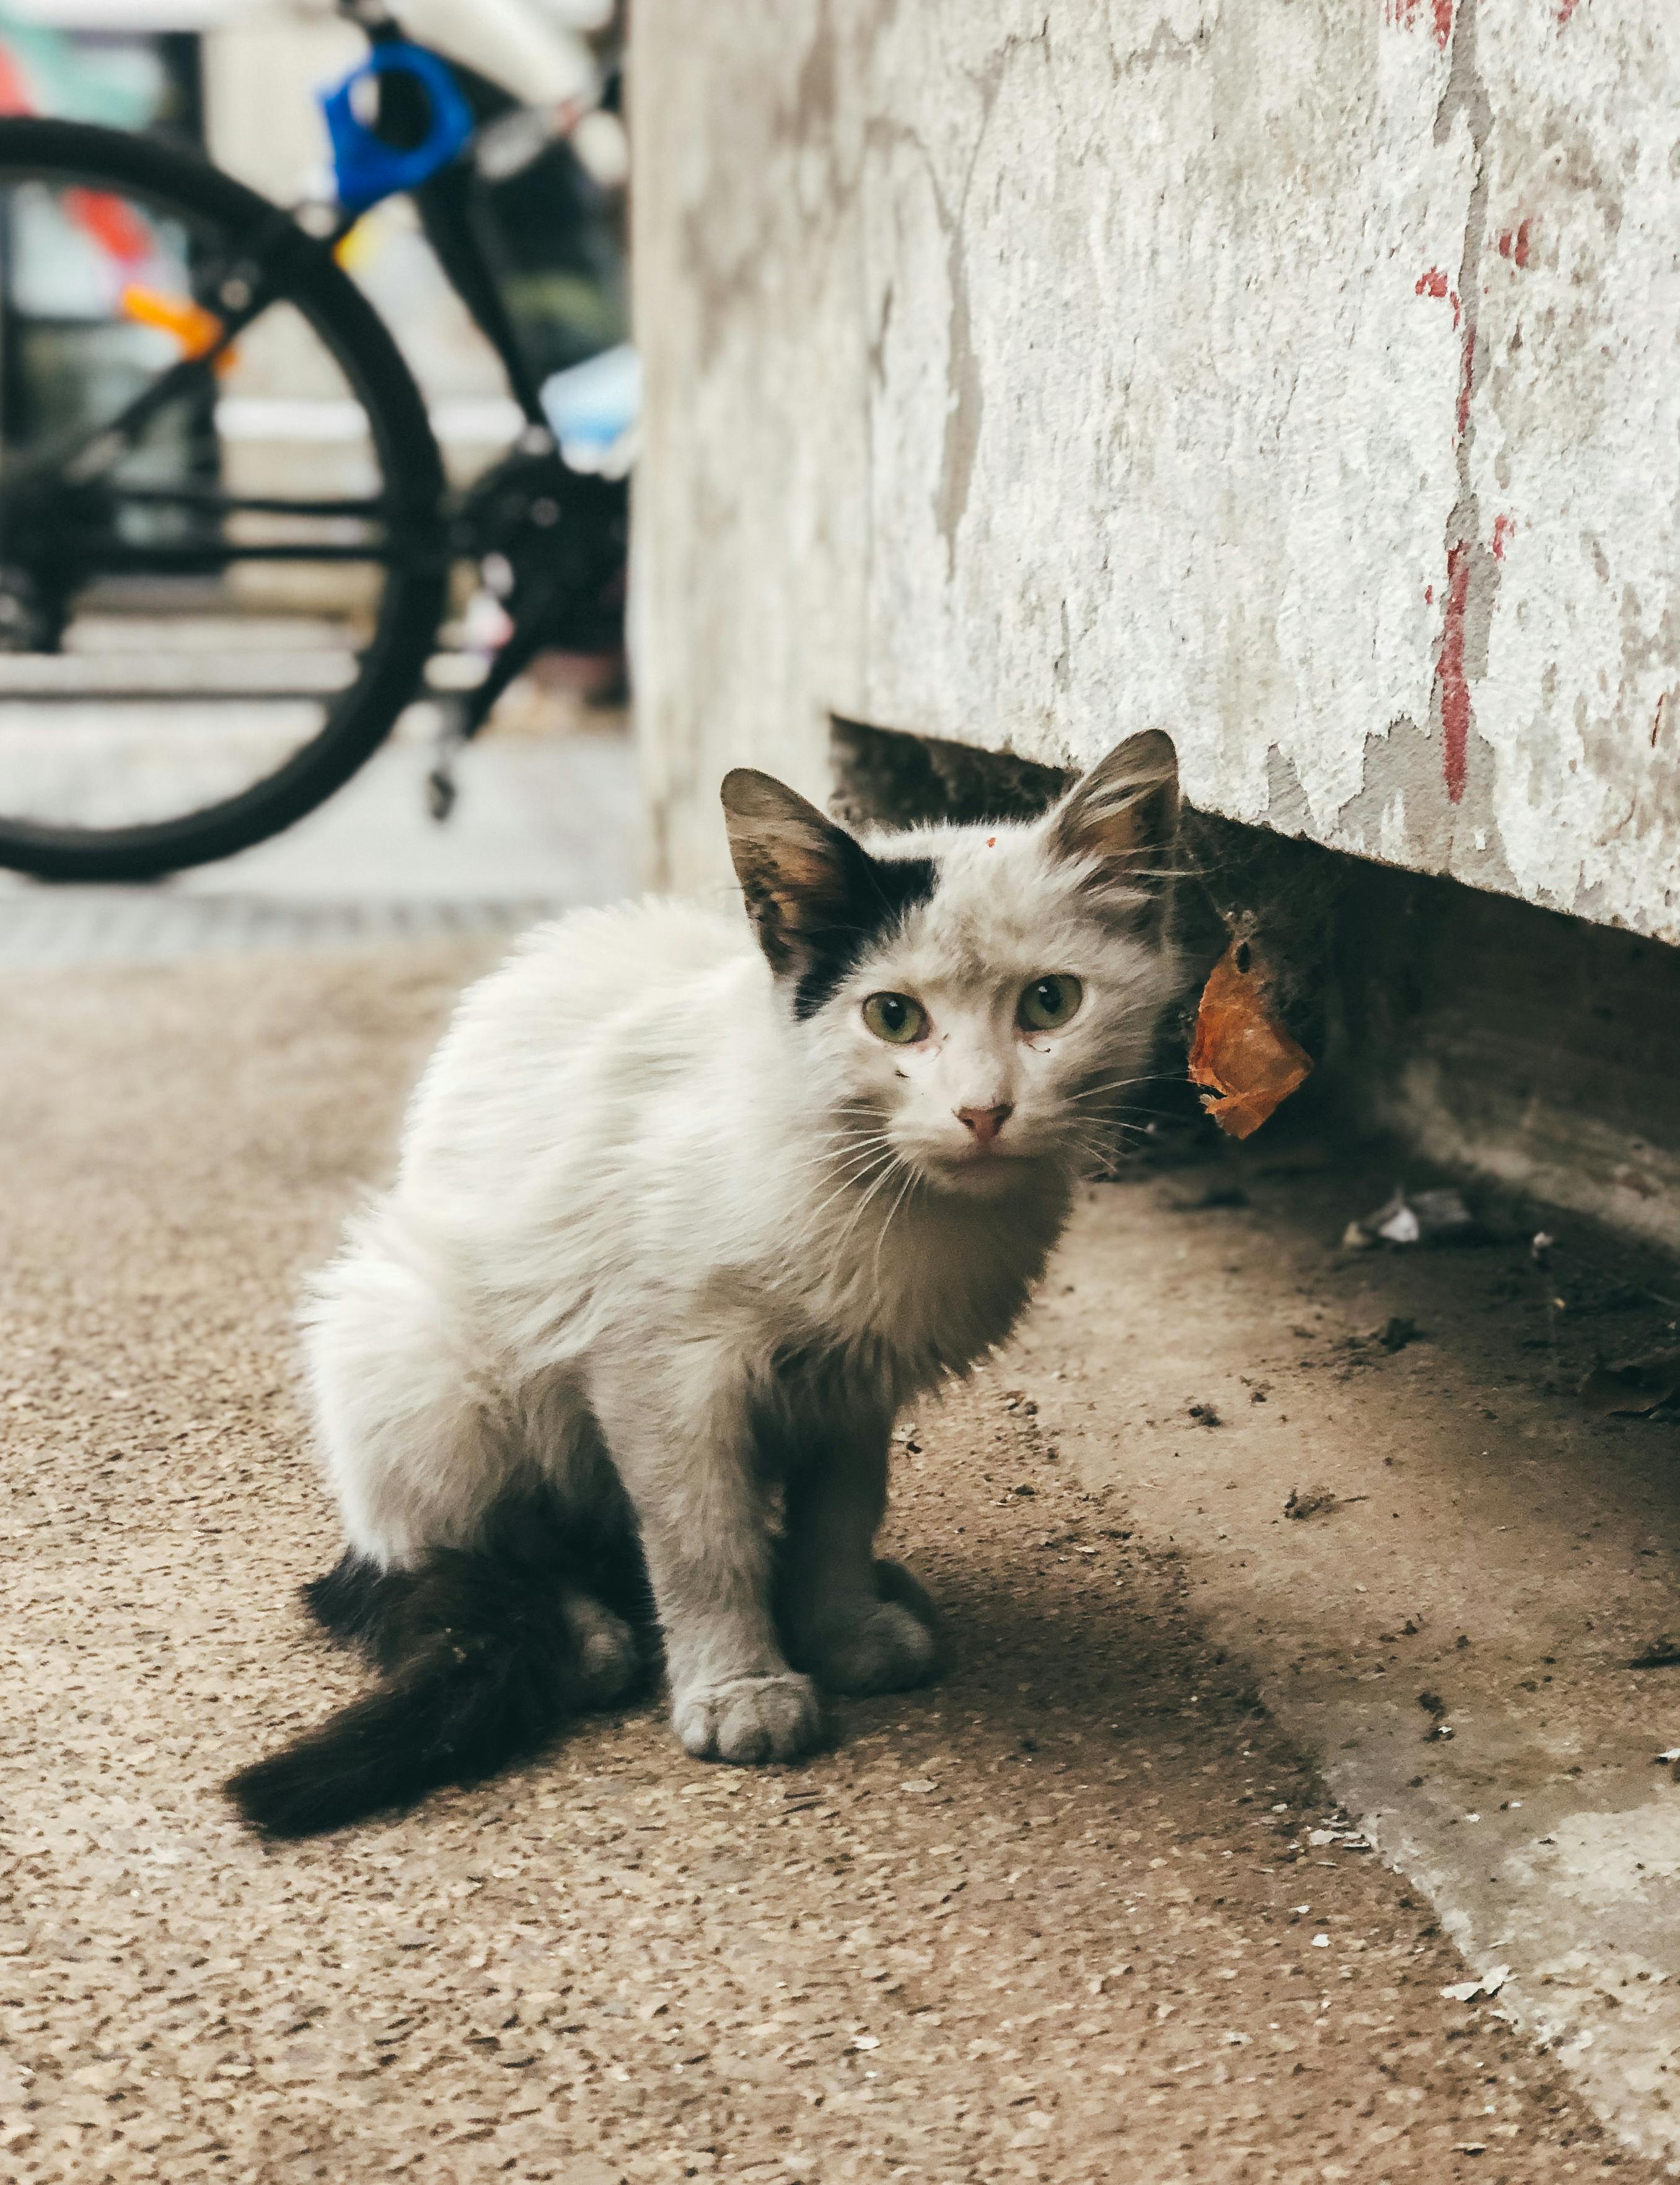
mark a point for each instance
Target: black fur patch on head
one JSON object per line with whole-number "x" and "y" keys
{"x": 881, "y": 892}
{"x": 816, "y": 896}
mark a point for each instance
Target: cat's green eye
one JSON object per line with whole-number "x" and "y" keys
{"x": 1049, "y": 1002}
{"x": 895, "y": 1018}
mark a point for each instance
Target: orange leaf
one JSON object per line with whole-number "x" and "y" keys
{"x": 1241, "y": 1051}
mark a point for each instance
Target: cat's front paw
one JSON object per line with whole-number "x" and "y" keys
{"x": 746, "y": 1719}
{"x": 885, "y": 1647}
{"x": 886, "y": 1643}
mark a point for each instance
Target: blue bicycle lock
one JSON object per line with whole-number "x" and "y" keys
{"x": 366, "y": 168}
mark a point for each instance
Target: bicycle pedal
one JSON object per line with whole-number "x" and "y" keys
{"x": 440, "y": 794}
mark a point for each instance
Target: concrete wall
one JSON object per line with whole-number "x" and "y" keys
{"x": 1298, "y": 375}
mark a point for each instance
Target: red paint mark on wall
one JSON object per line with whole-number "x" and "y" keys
{"x": 1403, "y": 14}
{"x": 1429, "y": 595}
{"x": 1434, "y": 283}
{"x": 1449, "y": 673}
{"x": 1514, "y": 242}
{"x": 1565, "y": 9}
{"x": 1503, "y": 528}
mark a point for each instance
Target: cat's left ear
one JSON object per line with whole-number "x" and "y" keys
{"x": 1120, "y": 821}
{"x": 799, "y": 872}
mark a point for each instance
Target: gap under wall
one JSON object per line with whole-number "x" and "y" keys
{"x": 1533, "y": 1049}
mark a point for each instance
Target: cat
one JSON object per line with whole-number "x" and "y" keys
{"x": 687, "y": 1208}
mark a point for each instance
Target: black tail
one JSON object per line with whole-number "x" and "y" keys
{"x": 482, "y": 1663}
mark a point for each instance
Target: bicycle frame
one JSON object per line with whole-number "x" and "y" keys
{"x": 445, "y": 202}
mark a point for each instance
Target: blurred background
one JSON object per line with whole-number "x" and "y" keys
{"x": 546, "y": 812}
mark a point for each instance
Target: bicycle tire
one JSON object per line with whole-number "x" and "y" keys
{"x": 392, "y": 665}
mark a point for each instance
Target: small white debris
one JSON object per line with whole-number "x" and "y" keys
{"x": 1238, "y": 2040}
{"x": 1473, "y": 1817}
{"x": 920, "y": 1783}
{"x": 1320, "y": 1941}
{"x": 866, "y": 2041}
{"x": 1666, "y": 1759}
{"x": 1469, "y": 2147}
{"x": 1419, "y": 1217}
{"x": 1490, "y": 1983}
{"x": 1350, "y": 1839}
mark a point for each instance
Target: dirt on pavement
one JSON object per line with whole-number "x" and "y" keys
{"x": 1061, "y": 1918}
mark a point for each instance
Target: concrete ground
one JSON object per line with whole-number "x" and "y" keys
{"x": 1088, "y": 1910}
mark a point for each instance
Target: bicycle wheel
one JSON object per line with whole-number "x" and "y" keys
{"x": 220, "y": 573}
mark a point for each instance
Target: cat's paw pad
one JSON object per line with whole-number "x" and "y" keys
{"x": 607, "y": 1660}
{"x": 888, "y": 1648}
{"x": 749, "y": 1719}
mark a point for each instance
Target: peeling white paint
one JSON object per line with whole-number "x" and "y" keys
{"x": 1027, "y": 375}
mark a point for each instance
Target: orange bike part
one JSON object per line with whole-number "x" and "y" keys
{"x": 196, "y": 330}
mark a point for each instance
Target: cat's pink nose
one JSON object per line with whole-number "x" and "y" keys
{"x": 983, "y": 1124}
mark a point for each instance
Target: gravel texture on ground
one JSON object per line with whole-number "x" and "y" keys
{"x": 1061, "y": 1918}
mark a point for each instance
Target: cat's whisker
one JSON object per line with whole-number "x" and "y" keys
{"x": 1092, "y": 1147}
{"x": 855, "y": 1149}
{"x": 836, "y": 1163}
{"x": 842, "y": 1138}
{"x": 905, "y": 1188}
{"x": 834, "y": 1159}
{"x": 1116, "y": 1085}
{"x": 852, "y": 1183}
{"x": 846, "y": 1234}
{"x": 836, "y": 1145}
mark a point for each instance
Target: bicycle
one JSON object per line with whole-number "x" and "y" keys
{"x": 227, "y": 539}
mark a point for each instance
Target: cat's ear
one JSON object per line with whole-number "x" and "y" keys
{"x": 798, "y": 870}
{"x": 1120, "y": 821}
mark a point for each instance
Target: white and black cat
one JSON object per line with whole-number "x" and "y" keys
{"x": 680, "y": 1223}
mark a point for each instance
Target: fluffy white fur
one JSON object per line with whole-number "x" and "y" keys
{"x": 658, "y": 1241}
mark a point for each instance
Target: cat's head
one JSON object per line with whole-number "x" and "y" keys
{"x": 978, "y": 996}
